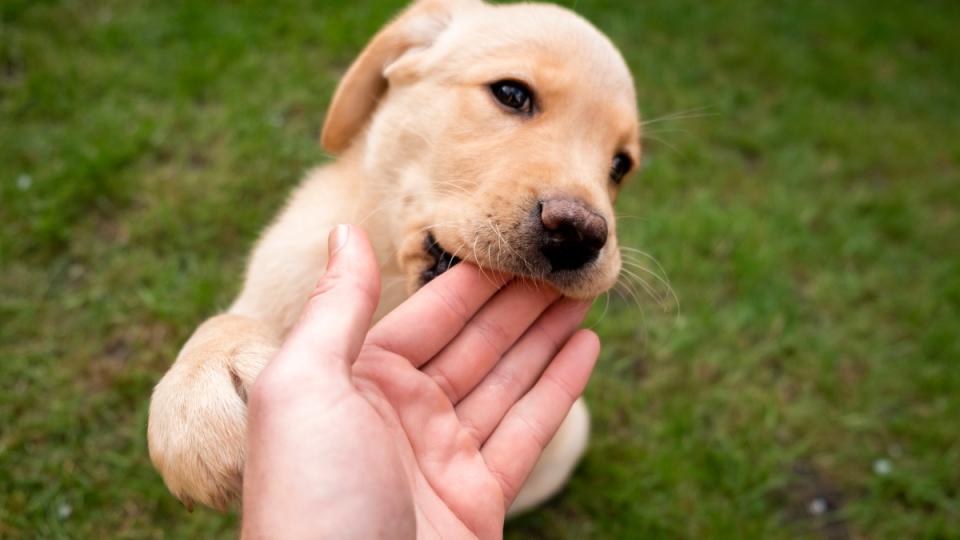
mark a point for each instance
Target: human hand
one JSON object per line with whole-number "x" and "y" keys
{"x": 427, "y": 424}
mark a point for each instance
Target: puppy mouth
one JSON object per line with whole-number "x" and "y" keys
{"x": 564, "y": 242}
{"x": 442, "y": 260}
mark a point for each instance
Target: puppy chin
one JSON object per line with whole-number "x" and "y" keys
{"x": 588, "y": 283}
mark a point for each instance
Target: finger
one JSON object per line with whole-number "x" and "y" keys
{"x": 420, "y": 327}
{"x": 335, "y": 319}
{"x": 519, "y": 440}
{"x": 447, "y": 462}
{"x": 480, "y": 345}
{"x": 483, "y": 408}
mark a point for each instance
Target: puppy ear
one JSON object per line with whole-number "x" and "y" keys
{"x": 365, "y": 82}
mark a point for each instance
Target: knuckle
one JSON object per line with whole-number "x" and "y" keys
{"x": 443, "y": 381}
{"x": 535, "y": 431}
{"x": 472, "y": 431}
{"x": 507, "y": 486}
{"x": 562, "y": 385}
{"x": 453, "y": 300}
{"x": 550, "y": 338}
{"x": 495, "y": 335}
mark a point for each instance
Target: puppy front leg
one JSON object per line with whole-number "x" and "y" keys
{"x": 197, "y": 425}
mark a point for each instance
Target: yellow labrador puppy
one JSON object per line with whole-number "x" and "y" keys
{"x": 496, "y": 134}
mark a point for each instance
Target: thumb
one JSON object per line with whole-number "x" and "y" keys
{"x": 335, "y": 320}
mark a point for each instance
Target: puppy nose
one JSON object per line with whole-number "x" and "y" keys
{"x": 572, "y": 233}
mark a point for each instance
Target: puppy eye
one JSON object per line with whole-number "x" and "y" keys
{"x": 620, "y": 167}
{"x": 513, "y": 94}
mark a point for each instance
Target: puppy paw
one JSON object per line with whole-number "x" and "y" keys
{"x": 197, "y": 424}
{"x": 198, "y": 447}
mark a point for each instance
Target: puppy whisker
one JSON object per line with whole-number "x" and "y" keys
{"x": 665, "y": 299}
{"x": 663, "y": 142}
{"x": 647, "y": 288}
{"x": 632, "y": 252}
{"x": 661, "y": 277}
{"x": 627, "y": 285}
{"x": 603, "y": 314}
{"x": 680, "y": 115}
{"x": 629, "y": 216}
{"x": 665, "y": 130}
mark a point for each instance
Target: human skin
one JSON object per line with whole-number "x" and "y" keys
{"x": 409, "y": 429}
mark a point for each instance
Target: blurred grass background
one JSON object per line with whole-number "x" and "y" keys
{"x": 803, "y": 199}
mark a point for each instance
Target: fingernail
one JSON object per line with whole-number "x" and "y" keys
{"x": 338, "y": 238}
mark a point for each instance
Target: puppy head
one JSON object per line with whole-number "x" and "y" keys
{"x": 504, "y": 133}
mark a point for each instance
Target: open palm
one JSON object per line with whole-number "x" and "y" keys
{"x": 428, "y": 424}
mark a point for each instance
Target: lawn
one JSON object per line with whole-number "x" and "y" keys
{"x": 800, "y": 188}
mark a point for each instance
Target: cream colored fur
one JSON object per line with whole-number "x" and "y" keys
{"x": 422, "y": 147}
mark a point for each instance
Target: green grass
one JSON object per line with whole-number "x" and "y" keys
{"x": 807, "y": 215}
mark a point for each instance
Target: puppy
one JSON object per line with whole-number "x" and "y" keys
{"x": 496, "y": 134}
